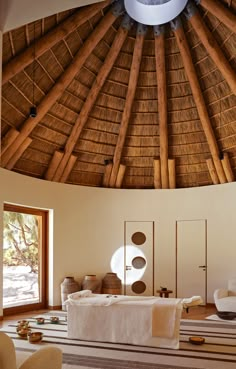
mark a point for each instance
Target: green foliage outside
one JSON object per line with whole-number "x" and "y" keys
{"x": 20, "y": 240}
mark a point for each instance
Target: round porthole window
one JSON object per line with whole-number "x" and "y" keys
{"x": 138, "y": 238}
{"x": 139, "y": 262}
{"x": 138, "y": 287}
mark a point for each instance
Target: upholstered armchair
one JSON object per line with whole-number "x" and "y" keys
{"x": 48, "y": 357}
{"x": 225, "y": 298}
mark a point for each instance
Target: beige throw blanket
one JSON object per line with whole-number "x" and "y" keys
{"x": 164, "y": 317}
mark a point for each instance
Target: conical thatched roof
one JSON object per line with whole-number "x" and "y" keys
{"x": 120, "y": 104}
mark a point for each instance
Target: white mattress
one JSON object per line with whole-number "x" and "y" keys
{"x": 139, "y": 321}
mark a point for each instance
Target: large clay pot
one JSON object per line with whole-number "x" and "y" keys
{"x": 90, "y": 282}
{"x": 69, "y": 285}
{"x": 111, "y": 284}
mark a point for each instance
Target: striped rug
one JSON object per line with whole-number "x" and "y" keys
{"x": 218, "y": 351}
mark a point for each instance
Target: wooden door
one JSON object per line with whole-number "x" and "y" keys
{"x": 138, "y": 255}
{"x": 191, "y": 258}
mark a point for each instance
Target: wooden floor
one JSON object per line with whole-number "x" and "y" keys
{"x": 195, "y": 313}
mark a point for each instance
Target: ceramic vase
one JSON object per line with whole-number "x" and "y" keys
{"x": 69, "y": 285}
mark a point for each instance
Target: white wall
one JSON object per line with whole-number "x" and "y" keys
{"x": 89, "y": 226}
{"x": 16, "y": 13}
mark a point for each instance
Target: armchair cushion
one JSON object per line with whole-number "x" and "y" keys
{"x": 225, "y": 299}
{"x": 49, "y": 357}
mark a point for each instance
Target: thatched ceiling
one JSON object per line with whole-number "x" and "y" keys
{"x": 120, "y": 104}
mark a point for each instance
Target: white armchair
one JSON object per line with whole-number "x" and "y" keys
{"x": 48, "y": 357}
{"x": 225, "y": 299}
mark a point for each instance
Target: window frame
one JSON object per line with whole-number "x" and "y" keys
{"x": 43, "y": 304}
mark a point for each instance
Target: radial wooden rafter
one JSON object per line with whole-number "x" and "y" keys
{"x": 60, "y": 86}
{"x": 133, "y": 79}
{"x": 198, "y": 97}
{"x": 91, "y": 98}
{"x": 36, "y": 49}
{"x": 211, "y": 45}
{"x": 216, "y": 8}
{"x": 162, "y": 104}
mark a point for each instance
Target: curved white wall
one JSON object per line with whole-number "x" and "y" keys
{"x": 15, "y": 13}
{"x": 88, "y": 226}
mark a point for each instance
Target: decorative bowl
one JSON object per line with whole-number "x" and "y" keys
{"x": 40, "y": 320}
{"x": 196, "y": 340}
{"x": 23, "y": 332}
{"x": 34, "y": 337}
{"x": 227, "y": 315}
{"x": 23, "y": 323}
{"x": 54, "y": 319}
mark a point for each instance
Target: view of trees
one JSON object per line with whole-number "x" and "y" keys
{"x": 21, "y": 240}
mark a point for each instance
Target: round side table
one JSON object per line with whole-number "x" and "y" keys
{"x": 164, "y": 293}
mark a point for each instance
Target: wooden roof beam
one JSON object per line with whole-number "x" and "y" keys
{"x": 107, "y": 173}
{"x": 211, "y": 45}
{"x": 120, "y": 176}
{"x": 69, "y": 166}
{"x": 212, "y": 171}
{"x": 93, "y": 93}
{"x": 18, "y": 153}
{"x": 57, "y": 156}
{"x": 47, "y": 41}
{"x": 157, "y": 173}
{"x": 227, "y": 167}
{"x": 8, "y": 139}
{"x": 172, "y": 175}
{"x": 162, "y": 102}
{"x": 197, "y": 95}
{"x": 62, "y": 83}
{"x": 220, "y": 12}
{"x": 133, "y": 79}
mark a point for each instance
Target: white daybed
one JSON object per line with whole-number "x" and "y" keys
{"x": 147, "y": 321}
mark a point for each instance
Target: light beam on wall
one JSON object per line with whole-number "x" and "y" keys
{"x": 118, "y": 264}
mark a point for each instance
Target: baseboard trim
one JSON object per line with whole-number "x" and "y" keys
{"x": 59, "y": 307}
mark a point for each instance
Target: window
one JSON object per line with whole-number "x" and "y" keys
{"x": 24, "y": 259}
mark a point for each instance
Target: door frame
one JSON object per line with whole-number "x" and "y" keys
{"x": 176, "y": 254}
{"x": 153, "y": 249}
{"x": 44, "y": 259}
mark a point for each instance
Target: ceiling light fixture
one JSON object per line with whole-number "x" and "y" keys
{"x": 154, "y": 12}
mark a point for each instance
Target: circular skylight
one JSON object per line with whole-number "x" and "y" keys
{"x": 154, "y": 12}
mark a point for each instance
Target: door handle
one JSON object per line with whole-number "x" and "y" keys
{"x": 128, "y": 267}
{"x": 202, "y": 266}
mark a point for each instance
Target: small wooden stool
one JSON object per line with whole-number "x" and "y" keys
{"x": 164, "y": 293}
